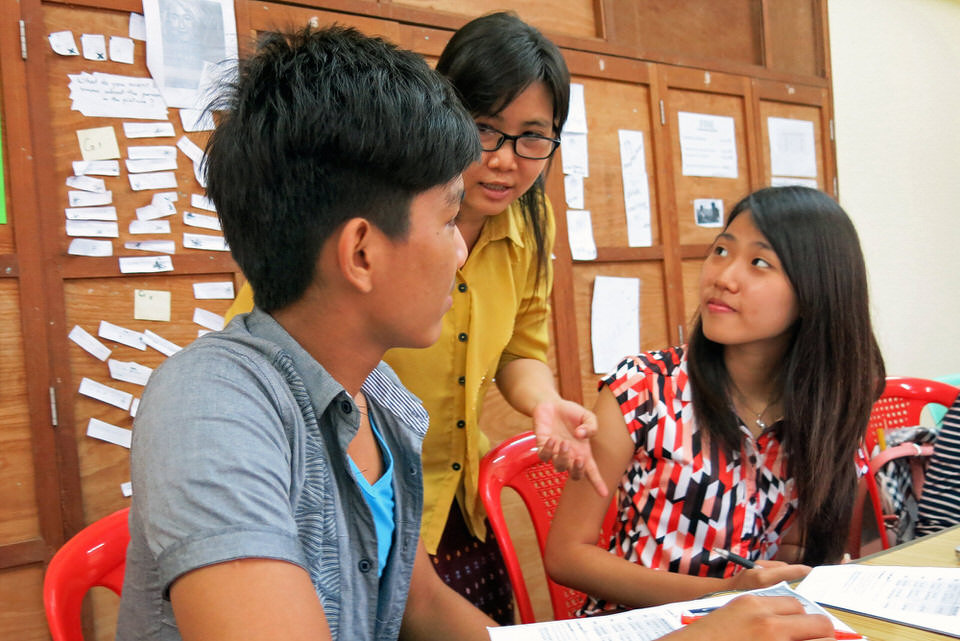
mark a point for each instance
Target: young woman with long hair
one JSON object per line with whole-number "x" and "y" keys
{"x": 746, "y": 439}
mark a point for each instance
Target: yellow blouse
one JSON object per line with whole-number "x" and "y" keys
{"x": 498, "y": 315}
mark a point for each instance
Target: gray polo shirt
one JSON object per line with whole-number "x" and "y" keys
{"x": 239, "y": 451}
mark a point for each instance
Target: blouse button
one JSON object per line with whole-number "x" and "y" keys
{"x": 346, "y": 407}
{"x": 462, "y": 380}
{"x": 456, "y": 467}
{"x": 462, "y": 337}
{"x": 461, "y": 424}
{"x": 364, "y": 565}
{"x": 462, "y": 287}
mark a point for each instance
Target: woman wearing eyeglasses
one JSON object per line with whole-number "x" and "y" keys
{"x": 516, "y": 84}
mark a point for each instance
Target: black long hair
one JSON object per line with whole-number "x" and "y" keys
{"x": 832, "y": 372}
{"x": 490, "y": 61}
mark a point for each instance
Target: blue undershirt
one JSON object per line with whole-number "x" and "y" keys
{"x": 379, "y": 498}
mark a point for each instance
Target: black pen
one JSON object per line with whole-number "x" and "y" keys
{"x": 735, "y": 558}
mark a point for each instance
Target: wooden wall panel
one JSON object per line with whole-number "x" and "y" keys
{"x": 18, "y": 501}
{"x": 706, "y": 100}
{"x": 788, "y": 46}
{"x": 580, "y": 18}
{"x": 653, "y": 327}
{"x": 21, "y": 595}
{"x": 104, "y": 466}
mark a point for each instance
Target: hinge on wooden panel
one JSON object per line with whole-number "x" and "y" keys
{"x": 836, "y": 190}
{"x": 53, "y": 407}
{"x": 663, "y": 116}
{"x": 23, "y": 40}
{"x": 680, "y": 332}
{"x": 831, "y": 129}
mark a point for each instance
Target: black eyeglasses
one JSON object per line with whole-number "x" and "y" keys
{"x": 532, "y": 146}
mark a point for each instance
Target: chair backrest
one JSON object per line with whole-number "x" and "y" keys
{"x": 515, "y": 464}
{"x": 901, "y": 405}
{"x": 95, "y": 556}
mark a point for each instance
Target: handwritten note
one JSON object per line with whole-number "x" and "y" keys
{"x": 151, "y": 304}
{"x": 91, "y": 213}
{"x": 162, "y": 246}
{"x": 202, "y": 202}
{"x": 87, "y": 183}
{"x": 63, "y": 44}
{"x": 201, "y": 220}
{"x": 89, "y": 343}
{"x": 217, "y": 290}
{"x": 105, "y": 393}
{"x": 115, "y": 96}
{"x": 207, "y": 319}
{"x": 121, "y": 49}
{"x": 90, "y": 247}
{"x": 121, "y": 335}
{"x": 573, "y": 153}
{"x": 205, "y": 241}
{"x": 145, "y": 264}
{"x": 149, "y": 227}
{"x": 92, "y": 229}
{"x": 109, "y": 433}
{"x": 145, "y": 165}
{"x": 96, "y": 167}
{"x": 148, "y": 129}
{"x": 129, "y": 371}
{"x": 580, "y": 235}
{"x": 160, "y": 344}
{"x": 636, "y": 188}
{"x": 614, "y": 321}
{"x": 94, "y": 46}
{"x": 152, "y": 180}
{"x": 98, "y": 143}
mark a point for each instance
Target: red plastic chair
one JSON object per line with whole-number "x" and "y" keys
{"x": 95, "y": 556}
{"x": 515, "y": 464}
{"x": 900, "y": 405}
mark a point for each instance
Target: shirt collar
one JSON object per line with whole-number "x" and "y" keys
{"x": 507, "y": 224}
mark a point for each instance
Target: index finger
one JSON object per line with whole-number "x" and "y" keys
{"x": 592, "y": 473}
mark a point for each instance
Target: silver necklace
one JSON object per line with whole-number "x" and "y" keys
{"x": 758, "y": 415}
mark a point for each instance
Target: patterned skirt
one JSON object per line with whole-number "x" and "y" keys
{"x": 474, "y": 568}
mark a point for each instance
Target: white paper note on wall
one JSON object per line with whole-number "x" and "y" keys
{"x": 708, "y": 145}
{"x": 614, "y": 321}
{"x": 636, "y": 188}
{"x": 793, "y": 149}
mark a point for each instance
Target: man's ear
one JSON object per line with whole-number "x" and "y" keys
{"x": 356, "y": 248}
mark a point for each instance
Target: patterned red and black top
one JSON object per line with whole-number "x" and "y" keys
{"x": 682, "y": 495}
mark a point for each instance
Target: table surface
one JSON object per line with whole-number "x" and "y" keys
{"x": 933, "y": 550}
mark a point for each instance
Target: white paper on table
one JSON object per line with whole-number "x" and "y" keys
{"x": 205, "y": 241}
{"x": 202, "y": 202}
{"x": 149, "y": 227}
{"x": 160, "y": 344}
{"x": 148, "y": 129}
{"x": 127, "y": 488}
{"x": 121, "y": 335}
{"x": 115, "y": 96}
{"x": 91, "y": 213}
{"x": 203, "y": 221}
{"x": 793, "y": 150}
{"x": 94, "y": 46}
{"x": 923, "y": 597}
{"x": 96, "y": 167}
{"x": 105, "y": 393}
{"x": 121, "y": 49}
{"x": 207, "y": 319}
{"x": 580, "y": 235}
{"x": 144, "y": 165}
{"x": 89, "y": 343}
{"x": 145, "y": 264}
{"x": 708, "y": 145}
{"x": 196, "y": 120}
{"x": 134, "y": 406}
{"x": 109, "y": 433}
{"x": 573, "y": 153}
{"x": 183, "y": 40}
{"x": 614, "y": 321}
{"x": 92, "y": 228}
{"x": 785, "y": 181}
{"x": 642, "y": 624}
{"x": 577, "y": 114}
{"x": 162, "y": 246}
{"x": 63, "y": 44}
{"x": 152, "y": 180}
{"x": 87, "y": 183}
{"x": 636, "y": 188}
{"x": 147, "y": 152}
{"x": 88, "y": 198}
{"x": 165, "y": 196}
{"x": 573, "y": 191}
{"x": 129, "y": 372}
{"x": 210, "y": 291}
{"x": 90, "y": 247}
{"x": 98, "y": 143}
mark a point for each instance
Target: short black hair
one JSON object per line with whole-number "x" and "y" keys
{"x": 321, "y": 126}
